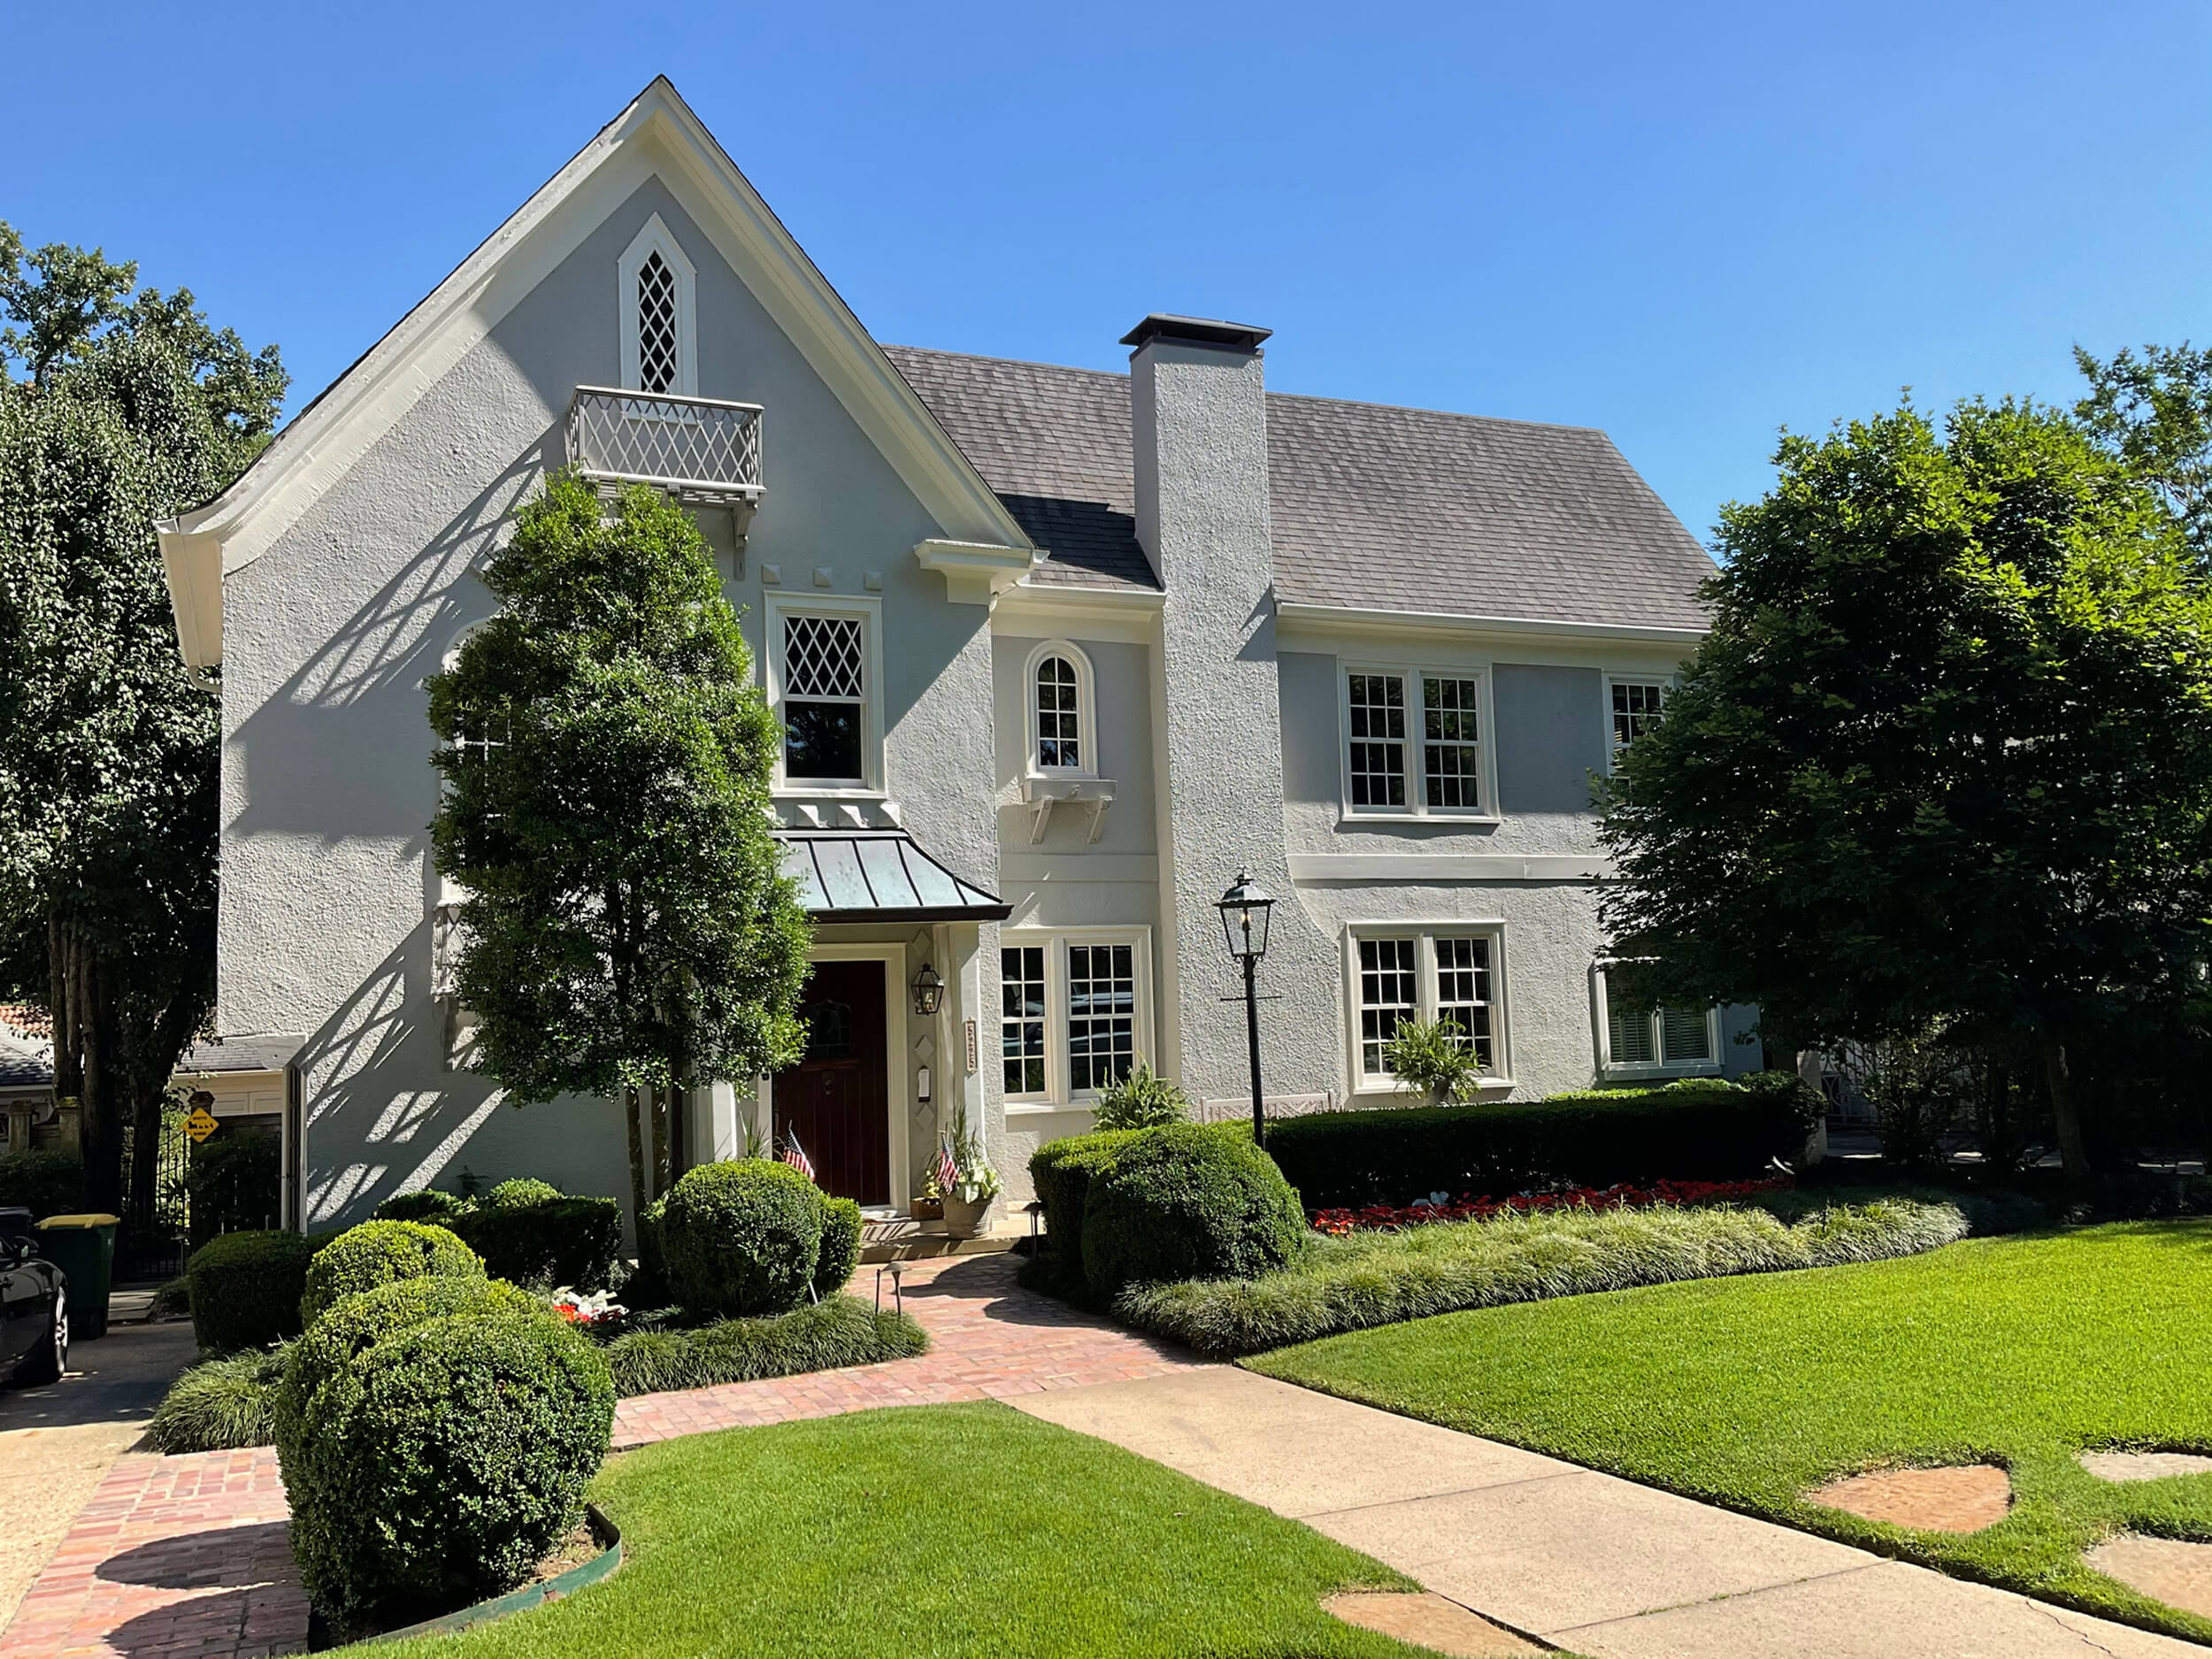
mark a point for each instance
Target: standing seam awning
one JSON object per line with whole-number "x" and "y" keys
{"x": 880, "y": 876}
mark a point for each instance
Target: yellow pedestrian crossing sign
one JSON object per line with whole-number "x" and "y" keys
{"x": 201, "y": 1123}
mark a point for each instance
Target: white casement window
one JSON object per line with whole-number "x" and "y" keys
{"x": 1414, "y": 742}
{"x": 1632, "y": 708}
{"x": 655, "y": 292}
{"x": 825, "y": 685}
{"x": 1398, "y": 972}
{"x": 1075, "y": 1012}
{"x": 1063, "y": 720}
{"x": 1637, "y": 1039}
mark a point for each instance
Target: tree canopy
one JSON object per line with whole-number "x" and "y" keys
{"x": 1945, "y": 756}
{"x": 116, "y": 409}
{"x": 607, "y": 758}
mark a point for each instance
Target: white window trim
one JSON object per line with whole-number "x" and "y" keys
{"x": 1416, "y": 808}
{"x": 654, "y": 237}
{"x": 1057, "y": 1097}
{"x": 1086, "y": 711}
{"x": 868, "y": 610}
{"x": 1600, "y": 1014}
{"x": 1498, "y": 1078}
{"x": 1666, "y": 684}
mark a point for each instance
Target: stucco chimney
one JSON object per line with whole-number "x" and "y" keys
{"x": 1198, "y": 417}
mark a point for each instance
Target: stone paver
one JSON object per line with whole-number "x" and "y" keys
{"x": 1963, "y": 1498}
{"x": 1582, "y": 1560}
{"x": 2144, "y": 1465}
{"x": 2168, "y": 1570}
{"x": 187, "y": 1557}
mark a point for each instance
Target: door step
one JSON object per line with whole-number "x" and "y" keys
{"x": 900, "y": 1239}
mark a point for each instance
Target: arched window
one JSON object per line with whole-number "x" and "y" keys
{"x": 1063, "y": 730}
{"x": 659, "y": 334}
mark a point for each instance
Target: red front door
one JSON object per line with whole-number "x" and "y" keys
{"x": 835, "y": 1099}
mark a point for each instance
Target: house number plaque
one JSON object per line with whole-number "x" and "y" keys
{"x": 971, "y": 1026}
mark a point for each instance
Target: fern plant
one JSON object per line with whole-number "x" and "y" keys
{"x": 1435, "y": 1056}
{"x": 1141, "y": 1100}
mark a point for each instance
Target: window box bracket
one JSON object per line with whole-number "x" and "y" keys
{"x": 1041, "y": 794}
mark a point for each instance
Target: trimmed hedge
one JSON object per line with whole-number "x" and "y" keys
{"x": 441, "y": 1465}
{"x": 520, "y": 1192}
{"x": 742, "y": 1237}
{"x": 837, "y": 1331}
{"x": 1368, "y": 1279}
{"x": 46, "y": 1183}
{"x": 1185, "y": 1201}
{"x": 1061, "y": 1171}
{"x": 840, "y": 1251}
{"x": 426, "y": 1204}
{"x": 553, "y": 1241}
{"x": 382, "y": 1253}
{"x": 1702, "y": 1129}
{"x": 220, "y": 1404}
{"x": 246, "y": 1288}
{"x": 235, "y": 1183}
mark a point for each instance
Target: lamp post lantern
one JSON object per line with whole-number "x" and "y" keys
{"x": 1244, "y": 912}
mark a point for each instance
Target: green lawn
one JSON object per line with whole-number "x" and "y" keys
{"x": 1748, "y": 1391}
{"x": 926, "y": 1533}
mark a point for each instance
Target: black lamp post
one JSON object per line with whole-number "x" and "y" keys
{"x": 1244, "y": 912}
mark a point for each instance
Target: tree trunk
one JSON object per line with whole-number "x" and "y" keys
{"x": 664, "y": 1172}
{"x": 60, "y": 966}
{"x": 637, "y": 1156}
{"x": 2073, "y": 1151}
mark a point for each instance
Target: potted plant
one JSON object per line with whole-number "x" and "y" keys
{"x": 1433, "y": 1056}
{"x": 929, "y": 1204}
{"x": 969, "y": 1183}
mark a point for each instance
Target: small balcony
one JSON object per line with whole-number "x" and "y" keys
{"x": 702, "y": 451}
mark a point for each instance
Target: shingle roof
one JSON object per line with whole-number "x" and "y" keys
{"x": 25, "y": 1064}
{"x": 1374, "y": 507}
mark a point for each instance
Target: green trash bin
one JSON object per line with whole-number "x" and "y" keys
{"x": 83, "y": 1247}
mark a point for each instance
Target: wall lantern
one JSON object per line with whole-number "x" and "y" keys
{"x": 1244, "y": 912}
{"x": 929, "y": 991}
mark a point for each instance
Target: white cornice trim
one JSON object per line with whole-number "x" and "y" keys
{"x": 1422, "y": 869}
{"x": 1128, "y": 616}
{"x": 1296, "y": 618}
{"x": 657, "y": 133}
{"x": 976, "y": 573}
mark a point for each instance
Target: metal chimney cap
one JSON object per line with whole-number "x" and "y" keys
{"x": 1196, "y": 331}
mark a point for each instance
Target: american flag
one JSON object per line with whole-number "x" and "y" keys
{"x": 948, "y": 1172}
{"x": 795, "y": 1155}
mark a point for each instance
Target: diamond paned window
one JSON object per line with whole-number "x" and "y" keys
{"x": 1022, "y": 1017}
{"x": 1102, "y": 1014}
{"x": 1059, "y": 740}
{"x": 656, "y": 351}
{"x": 824, "y": 689}
{"x": 1377, "y": 754}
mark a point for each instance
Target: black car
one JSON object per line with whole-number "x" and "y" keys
{"x": 34, "y": 1307}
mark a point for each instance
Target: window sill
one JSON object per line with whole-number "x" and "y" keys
{"x": 1659, "y": 1073}
{"x": 1046, "y": 1109}
{"x": 1379, "y": 1092}
{"x": 1363, "y": 815}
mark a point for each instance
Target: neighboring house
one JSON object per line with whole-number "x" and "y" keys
{"x": 29, "y": 1120}
{"x": 1058, "y": 653}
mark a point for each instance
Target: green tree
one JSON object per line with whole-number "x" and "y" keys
{"x": 2155, "y": 412}
{"x": 607, "y": 760}
{"x": 1945, "y": 757}
{"x": 116, "y": 409}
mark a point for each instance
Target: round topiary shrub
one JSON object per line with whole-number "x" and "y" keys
{"x": 840, "y": 1246}
{"x": 448, "y": 1458}
{"x": 522, "y": 1190}
{"x": 1186, "y": 1200}
{"x": 428, "y": 1204}
{"x": 246, "y": 1287}
{"x": 382, "y": 1253}
{"x": 742, "y": 1237}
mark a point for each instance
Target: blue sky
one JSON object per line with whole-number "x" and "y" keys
{"x": 1688, "y": 225}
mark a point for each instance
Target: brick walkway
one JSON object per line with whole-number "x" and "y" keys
{"x": 186, "y": 1557}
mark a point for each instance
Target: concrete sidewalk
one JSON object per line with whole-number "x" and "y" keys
{"x": 1582, "y": 1560}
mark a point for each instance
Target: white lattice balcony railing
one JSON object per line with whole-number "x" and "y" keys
{"x": 701, "y": 449}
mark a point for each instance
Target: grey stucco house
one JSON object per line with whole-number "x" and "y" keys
{"x": 1058, "y": 652}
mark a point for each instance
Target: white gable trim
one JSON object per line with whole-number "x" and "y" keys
{"x": 657, "y": 135}
{"x": 655, "y": 238}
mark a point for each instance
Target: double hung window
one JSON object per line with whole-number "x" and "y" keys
{"x": 1632, "y": 708}
{"x": 1075, "y": 1012}
{"x": 1437, "y": 973}
{"x": 1413, "y": 742}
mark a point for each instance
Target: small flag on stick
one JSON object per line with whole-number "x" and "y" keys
{"x": 795, "y": 1155}
{"x": 948, "y": 1172}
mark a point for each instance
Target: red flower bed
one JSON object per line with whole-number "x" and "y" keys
{"x": 1466, "y": 1207}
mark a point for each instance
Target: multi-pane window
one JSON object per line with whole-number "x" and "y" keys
{"x": 1413, "y": 742}
{"x": 1389, "y": 995}
{"x": 1448, "y": 752}
{"x": 656, "y": 351}
{"x": 1426, "y": 973}
{"x": 1641, "y": 1036}
{"x": 1102, "y": 1015}
{"x": 1377, "y": 756}
{"x": 1059, "y": 716}
{"x": 1636, "y": 707}
{"x": 824, "y": 705}
{"x": 1022, "y": 1017}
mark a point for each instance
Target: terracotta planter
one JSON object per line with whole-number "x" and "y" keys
{"x": 927, "y": 1209}
{"x": 965, "y": 1221}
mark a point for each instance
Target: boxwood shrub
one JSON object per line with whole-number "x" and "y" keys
{"x": 1061, "y": 1171}
{"x": 45, "y": 1182}
{"x": 447, "y": 1459}
{"x": 550, "y": 1241}
{"x": 840, "y": 1252}
{"x": 246, "y": 1288}
{"x": 1705, "y": 1129}
{"x": 742, "y": 1237}
{"x": 382, "y": 1253}
{"x": 427, "y": 1204}
{"x": 1184, "y": 1200}
{"x": 520, "y": 1192}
